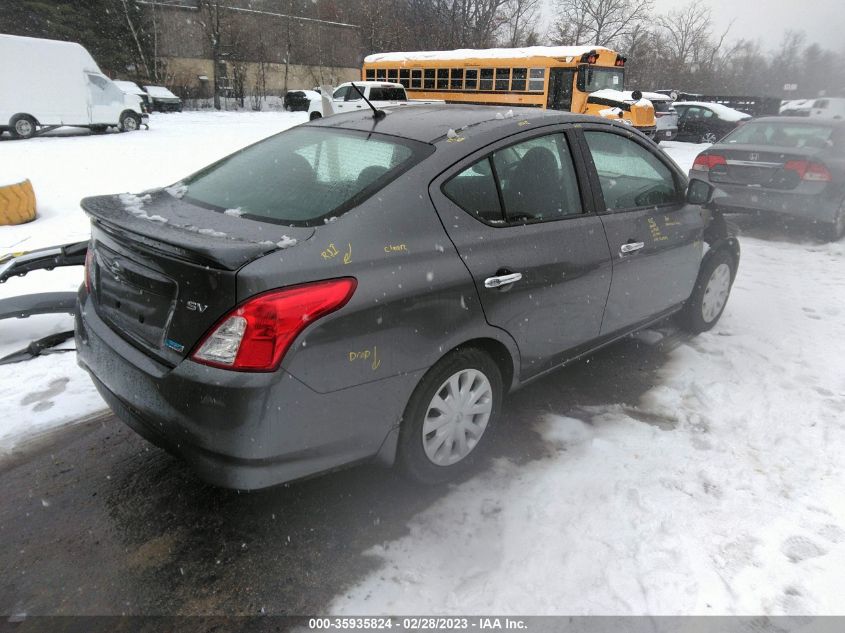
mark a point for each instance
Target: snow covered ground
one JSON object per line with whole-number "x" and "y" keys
{"x": 38, "y": 395}
{"x": 721, "y": 492}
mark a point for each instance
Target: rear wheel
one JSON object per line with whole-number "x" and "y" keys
{"x": 708, "y": 137}
{"x": 129, "y": 122}
{"x": 836, "y": 229}
{"x": 450, "y": 417}
{"x": 710, "y": 295}
{"x": 22, "y": 126}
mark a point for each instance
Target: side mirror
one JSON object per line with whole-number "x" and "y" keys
{"x": 700, "y": 192}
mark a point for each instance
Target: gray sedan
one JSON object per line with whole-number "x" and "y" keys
{"x": 369, "y": 287}
{"x": 781, "y": 166}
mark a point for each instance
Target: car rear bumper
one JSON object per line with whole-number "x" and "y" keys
{"x": 819, "y": 206}
{"x": 238, "y": 430}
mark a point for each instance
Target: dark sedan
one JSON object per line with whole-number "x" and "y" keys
{"x": 367, "y": 287}
{"x": 705, "y": 122}
{"x": 781, "y": 165}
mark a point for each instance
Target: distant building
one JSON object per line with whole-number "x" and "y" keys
{"x": 257, "y": 37}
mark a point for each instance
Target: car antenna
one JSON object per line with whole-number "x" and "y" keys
{"x": 377, "y": 114}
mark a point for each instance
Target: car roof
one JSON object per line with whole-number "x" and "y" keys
{"x": 800, "y": 120}
{"x": 442, "y": 123}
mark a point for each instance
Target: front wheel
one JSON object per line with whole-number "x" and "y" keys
{"x": 710, "y": 295}
{"x": 450, "y": 417}
{"x": 129, "y": 122}
{"x": 315, "y": 115}
{"x": 22, "y": 126}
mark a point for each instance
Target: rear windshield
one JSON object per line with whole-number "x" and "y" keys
{"x": 387, "y": 93}
{"x": 303, "y": 176}
{"x": 781, "y": 134}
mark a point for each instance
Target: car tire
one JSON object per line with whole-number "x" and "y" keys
{"x": 315, "y": 115}
{"x": 23, "y": 126}
{"x": 708, "y": 137}
{"x": 710, "y": 293}
{"x": 833, "y": 231}
{"x": 129, "y": 122}
{"x": 432, "y": 451}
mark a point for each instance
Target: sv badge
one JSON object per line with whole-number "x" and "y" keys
{"x": 196, "y": 306}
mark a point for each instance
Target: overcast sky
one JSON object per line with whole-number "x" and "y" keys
{"x": 766, "y": 20}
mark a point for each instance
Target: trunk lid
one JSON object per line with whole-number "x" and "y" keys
{"x": 163, "y": 271}
{"x": 753, "y": 165}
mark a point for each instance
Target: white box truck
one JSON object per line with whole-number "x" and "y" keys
{"x": 45, "y": 84}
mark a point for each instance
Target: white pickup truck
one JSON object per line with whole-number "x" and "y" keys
{"x": 345, "y": 98}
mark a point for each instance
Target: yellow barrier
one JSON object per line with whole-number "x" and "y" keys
{"x": 17, "y": 203}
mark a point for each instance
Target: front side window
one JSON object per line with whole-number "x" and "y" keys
{"x": 340, "y": 93}
{"x": 630, "y": 175}
{"x": 304, "y": 175}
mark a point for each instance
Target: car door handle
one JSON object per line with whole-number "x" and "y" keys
{"x": 502, "y": 280}
{"x": 631, "y": 247}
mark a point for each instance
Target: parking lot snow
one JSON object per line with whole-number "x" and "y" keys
{"x": 64, "y": 167}
{"x": 720, "y": 492}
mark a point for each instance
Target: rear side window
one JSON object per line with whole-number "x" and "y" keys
{"x": 474, "y": 190}
{"x": 304, "y": 175}
{"x": 535, "y": 181}
{"x": 388, "y": 93}
{"x": 630, "y": 175}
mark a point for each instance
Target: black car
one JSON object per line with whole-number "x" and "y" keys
{"x": 299, "y": 100}
{"x": 704, "y": 122}
{"x": 781, "y": 166}
{"x": 370, "y": 288}
{"x": 162, "y": 100}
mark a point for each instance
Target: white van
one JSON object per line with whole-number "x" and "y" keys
{"x": 45, "y": 84}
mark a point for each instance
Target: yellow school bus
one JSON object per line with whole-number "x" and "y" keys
{"x": 581, "y": 79}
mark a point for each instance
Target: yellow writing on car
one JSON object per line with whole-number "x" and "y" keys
{"x": 396, "y": 248}
{"x": 523, "y": 123}
{"x": 332, "y": 251}
{"x": 366, "y": 355}
{"x": 669, "y": 221}
{"x": 656, "y": 233}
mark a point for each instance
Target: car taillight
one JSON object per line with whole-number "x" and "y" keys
{"x": 706, "y": 162}
{"x": 256, "y": 335}
{"x": 807, "y": 170}
{"x": 89, "y": 268}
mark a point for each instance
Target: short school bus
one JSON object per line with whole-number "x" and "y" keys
{"x": 581, "y": 79}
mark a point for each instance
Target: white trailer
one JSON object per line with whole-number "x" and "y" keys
{"x": 45, "y": 84}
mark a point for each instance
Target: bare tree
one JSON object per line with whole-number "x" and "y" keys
{"x": 211, "y": 19}
{"x": 521, "y": 22}
{"x": 600, "y": 22}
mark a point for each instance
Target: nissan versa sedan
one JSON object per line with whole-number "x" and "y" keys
{"x": 781, "y": 165}
{"x": 369, "y": 287}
